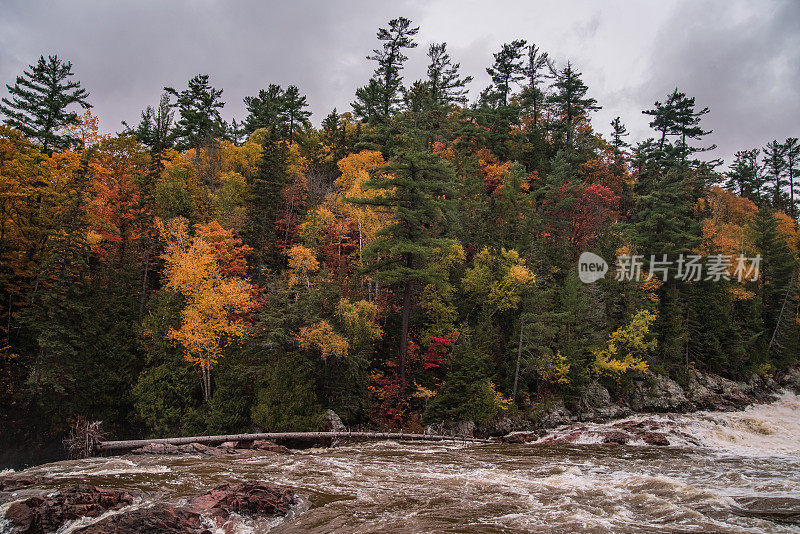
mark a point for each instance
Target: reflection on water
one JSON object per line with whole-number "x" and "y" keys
{"x": 744, "y": 476}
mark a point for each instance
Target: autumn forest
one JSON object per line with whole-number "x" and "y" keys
{"x": 413, "y": 261}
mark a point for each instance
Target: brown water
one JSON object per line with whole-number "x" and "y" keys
{"x": 733, "y": 472}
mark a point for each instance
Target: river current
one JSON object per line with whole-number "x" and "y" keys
{"x": 723, "y": 472}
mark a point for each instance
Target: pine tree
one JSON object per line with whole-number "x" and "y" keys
{"x": 687, "y": 125}
{"x": 414, "y": 187}
{"x": 537, "y": 68}
{"x": 792, "y": 151}
{"x": 677, "y": 117}
{"x": 618, "y": 131}
{"x": 296, "y": 115}
{"x": 507, "y": 69}
{"x": 445, "y": 84}
{"x": 266, "y": 110}
{"x": 367, "y": 104}
{"x": 570, "y": 100}
{"x": 777, "y": 274}
{"x": 200, "y": 122}
{"x": 664, "y": 222}
{"x": 378, "y": 101}
{"x": 775, "y": 169}
{"x": 744, "y": 176}
{"x": 266, "y": 190}
{"x": 39, "y": 101}
{"x": 664, "y": 117}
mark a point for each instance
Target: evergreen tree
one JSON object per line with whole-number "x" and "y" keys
{"x": 266, "y": 110}
{"x": 792, "y": 150}
{"x": 744, "y": 176}
{"x": 618, "y": 131}
{"x": 507, "y": 69}
{"x": 775, "y": 169}
{"x": 266, "y": 198}
{"x": 445, "y": 84}
{"x": 664, "y": 222}
{"x": 536, "y": 69}
{"x": 294, "y": 104}
{"x": 677, "y": 117}
{"x": 687, "y": 125}
{"x": 198, "y": 105}
{"x": 664, "y": 117}
{"x": 414, "y": 187}
{"x": 379, "y": 99}
{"x": 570, "y": 101}
{"x": 777, "y": 274}
{"x": 39, "y": 101}
{"x": 367, "y": 104}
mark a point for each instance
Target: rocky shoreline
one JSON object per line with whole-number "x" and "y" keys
{"x": 649, "y": 394}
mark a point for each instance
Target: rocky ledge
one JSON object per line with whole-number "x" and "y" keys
{"x": 649, "y": 393}
{"x": 210, "y": 512}
{"x": 48, "y": 513}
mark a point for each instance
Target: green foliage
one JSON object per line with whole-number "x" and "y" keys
{"x": 467, "y": 393}
{"x": 286, "y": 400}
{"x": 39, "y": 101}
{"x": 200, "y": 122}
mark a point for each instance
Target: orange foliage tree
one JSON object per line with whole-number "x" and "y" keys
{"x": 216, "y": 303}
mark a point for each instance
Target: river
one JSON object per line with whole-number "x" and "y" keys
{"x": 724, "y": 472}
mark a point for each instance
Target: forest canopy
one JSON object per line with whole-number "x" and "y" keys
{"x": 412, "y": 261}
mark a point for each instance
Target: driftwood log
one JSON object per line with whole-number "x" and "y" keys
{"x": 110, "y": 446}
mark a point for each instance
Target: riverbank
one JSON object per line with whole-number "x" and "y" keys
{"x": 723, "y": 472}
{"x": 649, "y": 393}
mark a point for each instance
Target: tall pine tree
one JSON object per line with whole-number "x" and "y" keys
{"x": 39, "y": 101}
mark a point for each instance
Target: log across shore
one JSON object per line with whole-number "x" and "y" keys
{"x": 109, "y": 446}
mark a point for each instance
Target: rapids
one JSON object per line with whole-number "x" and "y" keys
{"x": 723, "y": 472}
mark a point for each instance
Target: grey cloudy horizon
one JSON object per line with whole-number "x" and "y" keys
{"x": 741, "y": 59}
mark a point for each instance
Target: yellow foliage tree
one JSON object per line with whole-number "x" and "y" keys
{"x": 302, "y": 263}
{"x": 215, "y": 303}
{"x": 627, "y": 348}
{"x": 359, "y": 320}
{"x": 500, "y": 278}
{"x": 322, "y": 337}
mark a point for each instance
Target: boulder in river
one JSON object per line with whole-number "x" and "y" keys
{"x": 14, "y": 482}
{"x": 245, "y": 498}
{"x": 41, "y": 514}
{"x": 163, "y": 518}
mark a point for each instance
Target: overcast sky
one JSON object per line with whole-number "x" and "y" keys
{"x": 738, "y": 57}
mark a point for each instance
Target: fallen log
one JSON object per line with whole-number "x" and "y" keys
{"x": 107, "y": 446}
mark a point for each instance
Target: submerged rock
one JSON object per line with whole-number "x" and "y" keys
{"x": 48, "y": 513}
{"x": 269, "y": 446}
{"x": 203, "y": 514}
{"x": 246, "y": 498}
{"x": 13, "y": 482}
{"x": 161, "y": 517}
{"x": 655, "y": 438}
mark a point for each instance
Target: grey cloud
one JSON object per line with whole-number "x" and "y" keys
{"x": 739, "y": 58}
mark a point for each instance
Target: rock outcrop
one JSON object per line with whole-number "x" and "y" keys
{"x": 41, "y": 514}
{"x": 204, "y": 514}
